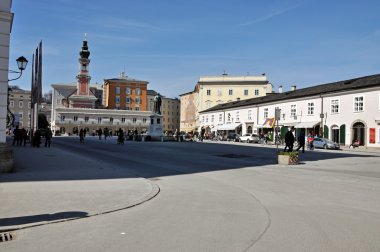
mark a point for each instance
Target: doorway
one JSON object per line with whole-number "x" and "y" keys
{"x": 358, "y": 133}
{"x": 335, "y": 133}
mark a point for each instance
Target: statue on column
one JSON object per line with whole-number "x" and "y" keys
{"x": 157, "y": 104}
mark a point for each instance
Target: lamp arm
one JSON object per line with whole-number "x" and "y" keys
{"x": 11, "y": 71}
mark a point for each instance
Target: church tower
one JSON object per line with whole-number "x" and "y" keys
{"x": 83, "y": 97}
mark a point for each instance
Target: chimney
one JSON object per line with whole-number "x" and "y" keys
{"x": 293, "y": 88}
{"x": 280, "y": 89}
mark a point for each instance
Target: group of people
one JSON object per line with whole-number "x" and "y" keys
{"x": 21, "y": 136}
{"x": 290, "y": 139}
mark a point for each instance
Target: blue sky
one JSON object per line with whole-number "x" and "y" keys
{"x": 172, "y": 43}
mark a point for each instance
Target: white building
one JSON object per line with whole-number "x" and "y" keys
{"x": 340, "y": 111}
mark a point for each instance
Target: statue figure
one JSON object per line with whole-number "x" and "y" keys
{"x": 157, "y": 104}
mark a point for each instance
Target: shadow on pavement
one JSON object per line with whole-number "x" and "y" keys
{"x": 23, "y": 220}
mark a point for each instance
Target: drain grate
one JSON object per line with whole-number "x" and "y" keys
{"x": 6, "y": 237}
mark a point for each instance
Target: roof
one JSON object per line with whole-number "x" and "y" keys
{"x": 334, "y": 87}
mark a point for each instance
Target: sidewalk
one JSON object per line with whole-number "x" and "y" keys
{"x": 50, "y": 185}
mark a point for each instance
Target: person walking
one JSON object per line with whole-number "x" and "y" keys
{"x": 301, "y": 141}
{"x": 100, "y": 133}
{"x": 24, "y": 136}
{"x": 16, "y": 136}
{"x": 81, "y": 135}
{"x": 289, "y": 140}
{"x": 48, "y": 136}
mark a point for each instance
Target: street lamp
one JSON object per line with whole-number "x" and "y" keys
{"x": 21, "y": 64}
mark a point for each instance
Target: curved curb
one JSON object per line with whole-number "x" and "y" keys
{"x": 153, "y": 193}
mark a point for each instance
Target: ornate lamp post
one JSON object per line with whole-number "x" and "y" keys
{"x": 21, "y": 64}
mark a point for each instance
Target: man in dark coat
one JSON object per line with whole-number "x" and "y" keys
{"x": 289, "y": 140}
{"x": 301, "y": 141}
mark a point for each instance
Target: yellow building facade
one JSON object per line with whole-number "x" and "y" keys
{"x": 213, "y": 90}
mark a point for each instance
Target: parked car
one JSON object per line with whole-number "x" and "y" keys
{"x": 233, "y": 137}
{"x": 324, "y": 143}
{"x": 249, "y": 138}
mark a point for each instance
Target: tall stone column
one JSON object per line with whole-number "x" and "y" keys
{"x": 6, "y": 18}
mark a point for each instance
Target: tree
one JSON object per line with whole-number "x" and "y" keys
{"x": 42, "y": 121}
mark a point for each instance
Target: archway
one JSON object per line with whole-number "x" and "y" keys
{"x": 249, "y": 129}
{"x": 335, "y": 133}
{"x": 358, "y": 133}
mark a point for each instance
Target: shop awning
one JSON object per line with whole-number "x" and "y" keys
{"x": 268, "y": 123}
{"x": 230, "y": 126}
{"x": 306, "y": 125}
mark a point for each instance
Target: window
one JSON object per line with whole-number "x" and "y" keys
{"x": 137, "y": 108}
{"x": 293, "y": 111}
{"x": 334, "y": 106}
{"x": 117, "y": 90}
{"x": 86, "y": 118}
{"x": 237, "y": 116}
{"x": 212, "y": 118}
{"x": 99, "y": 120}
{"x": 310, "y": 108}
{"x": 203, "y": 119}
{"x": 11, "y": 104}
{"x": 128, "y": 99}
{"x": 134, "y": 120}
{"x": 20, "y": 104}
{"x": 117, "y": 99}
{"x": 245, "y": 92}
{"x": 123, "y": 119}
{"x": 206, "y": 119}
{"x": 20, "y": 115}
{"x": 128, "y": 91}
{"x": 144, "y": 120}
{"x": 208, "y": 104}
{"x": 208, "y": 92}
{"x": 84, "y": 68}
{"x": 249, "y": 114}
{"x": 29, "y": 104}
{"x": 265, "y": 112}
{"x": 230, "y": 92}
{"x": 111, "y": 120}
{"x": 228, "y": 117}
{"x": 219, "y": 92}
{"x": 359, "y": 104}
{"x": 257, "y": 92}
{"x": 138, "y": 100}
{"x": 127, "y": 108}
{"x": 75, "y": 118}
{"x": 138, "y": 91}
{"x": 220, "y": 117}
{"x": 62, "y": 118}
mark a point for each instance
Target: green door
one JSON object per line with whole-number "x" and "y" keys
{"x": 284, "y": 129}
{"x": 326, "y": 132}
{"x": 342, "y": 134}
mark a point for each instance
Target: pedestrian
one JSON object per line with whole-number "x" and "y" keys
{"x": 37, "y": 138}
{"x": 81, "y": 135}
{"x": 289, "y": 140}
{"x": 16, "y": 136}
{"x": 24, "y": 136}
{"x": 48, "y": 136}
{"x": 301, "y": 141}
{"x": 100, "y": 133}
{"x": 120, "y": 137}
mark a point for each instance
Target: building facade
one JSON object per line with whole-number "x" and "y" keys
{"x": 170, "y": 111}
{"x": 125, "y": 93}
{"x": 6, "y": 19}
{"x": 341, "y": 111}
{"x": 188, "y": 115}
{"x": 19, "y": 105}
{"x": 214, "y": 90}
{"x": 77, "y": 106}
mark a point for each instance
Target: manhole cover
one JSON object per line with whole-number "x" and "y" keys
{"x": 6, "y": 237}
{"x": 233, "y": 155}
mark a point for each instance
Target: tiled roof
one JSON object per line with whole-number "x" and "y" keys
{"x": 346, "y": 85}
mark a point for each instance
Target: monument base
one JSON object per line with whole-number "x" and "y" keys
{"x": 6, "y": 158}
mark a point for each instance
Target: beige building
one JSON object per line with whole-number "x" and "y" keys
{"x": 170, "y": 110}
{"x": 19, "y": 105}
{"x": 213, "y": 90}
